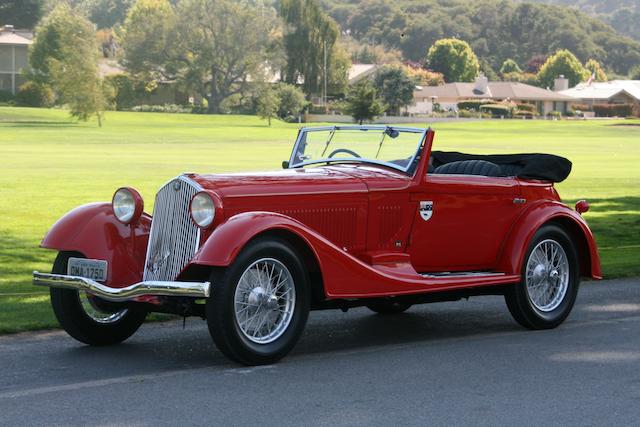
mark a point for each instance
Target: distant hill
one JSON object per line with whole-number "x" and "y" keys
{"x": 622, "y": 15}
{"x": 496, "y": 29}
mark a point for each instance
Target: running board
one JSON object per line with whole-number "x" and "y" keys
{"x": 454, "y": 274}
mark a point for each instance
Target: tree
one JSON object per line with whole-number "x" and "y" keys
{"x": 146, "y": 39}
{"x": 310, "y": 37}
{"x": 65, "y": 55}
{"x": 107, "y": 13}
{"x": 510, "y": 66}
{"x": 213, "y": 47}
{"x": 635, "y": 73}
{"x": 292, "y": 100}
{"x": 268, "y": 103}
{"x": 363, "y": 102}
{"x": 20, "y": 13}
{"x": 454, "y": 59}
{"x": 395, "y": 87}
{"x": 487, "y": 70}
{"x": 534, "y": 63}
{"x": 564, "y": 63}
{"x": 593, "y": 66}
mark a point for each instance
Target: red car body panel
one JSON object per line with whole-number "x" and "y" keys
{"x": 360, "y": 222}
{"x": 94, "y": 231}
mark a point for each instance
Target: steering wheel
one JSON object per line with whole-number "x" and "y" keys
{"x": 344, "y": 150}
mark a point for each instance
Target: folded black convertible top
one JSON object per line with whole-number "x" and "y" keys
{"x": 546, "y": 167}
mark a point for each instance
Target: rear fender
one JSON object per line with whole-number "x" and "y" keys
{"x": 519, "y": 239}
{"x": 94, "y": 231}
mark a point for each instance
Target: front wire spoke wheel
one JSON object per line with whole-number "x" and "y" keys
{"x": 264, "y": 300}
{"x": 547, "y": 275}
{"x": 93, "y": 309}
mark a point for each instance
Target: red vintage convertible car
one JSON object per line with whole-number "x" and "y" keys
{"x": 360, "y": 216}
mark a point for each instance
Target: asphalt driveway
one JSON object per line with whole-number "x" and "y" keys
{"x": 457, "y": 363}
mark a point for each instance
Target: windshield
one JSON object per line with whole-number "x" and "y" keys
{"x": 395, "y": 147}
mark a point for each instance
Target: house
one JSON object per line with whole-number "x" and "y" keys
{"x": 14, "y": 57}
{"x": 449, "y": 94}
{"x": 611, "y": 92}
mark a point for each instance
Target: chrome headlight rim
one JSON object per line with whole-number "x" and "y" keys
{"x": 202, "y": 209}
{"x": 127, "y": 205}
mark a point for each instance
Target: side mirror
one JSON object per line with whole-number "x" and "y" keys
{"x": 285, "y": 164}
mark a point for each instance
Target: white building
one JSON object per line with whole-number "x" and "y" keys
{"x": 14, "y": 57}
{"x": 611, "y": 92}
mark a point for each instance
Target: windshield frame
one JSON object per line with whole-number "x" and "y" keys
{"x": 408, "y": 169}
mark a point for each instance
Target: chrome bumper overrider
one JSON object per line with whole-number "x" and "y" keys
{"x": 180, "y": 289}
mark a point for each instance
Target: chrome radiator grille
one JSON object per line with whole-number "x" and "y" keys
{"x": 174, "y": 238}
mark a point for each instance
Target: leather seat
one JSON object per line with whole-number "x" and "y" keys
{"x": 469, "y": 167}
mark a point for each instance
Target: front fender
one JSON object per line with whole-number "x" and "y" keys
{"x": 94, "y": 231}
{"x": 228, "y": 239}
{"x": 519, "y": 239}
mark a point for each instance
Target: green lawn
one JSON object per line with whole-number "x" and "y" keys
{"x": 50, "y": 164}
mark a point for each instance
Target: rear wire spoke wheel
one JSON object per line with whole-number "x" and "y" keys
{"x": 260, "y": 304}
{"x": 89, "y": 319}
{"x": 550, "y": 281}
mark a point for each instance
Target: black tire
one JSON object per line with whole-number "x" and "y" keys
{"x": 518, "y": 298}
{"x": 220, "y": 309}
{"x": 388, "y": 307}
{"x": 74, "y": 319}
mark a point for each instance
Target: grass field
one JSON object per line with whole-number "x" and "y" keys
{"x": 49, "y": 164}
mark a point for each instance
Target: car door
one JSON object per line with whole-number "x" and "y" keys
{"x": 461, "y": 221}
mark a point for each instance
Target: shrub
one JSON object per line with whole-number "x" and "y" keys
{"x": 473, "y": 104}
{"x": 32, "y": 94}
{"x": 613, "y": 110}
{"x": 497, "y": 110}
{"x": 124, "y": 91}
{"x": 472, "y": 114}
{"x": 554, "y": 114}
{"x": 580, "y": 107}
{"x": 166, "y": 108}
{"x": 6, "y": 96}
{"x": 519, "y": 114}
{"x": 526, "y": 107}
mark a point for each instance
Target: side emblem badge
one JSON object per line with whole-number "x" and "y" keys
{"x": 426, "y": 210}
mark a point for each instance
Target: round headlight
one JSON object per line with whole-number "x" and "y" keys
{"x": 202, "y": 209}
{"x": 127, "y": 205}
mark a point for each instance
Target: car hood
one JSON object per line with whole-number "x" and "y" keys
{"x": 320, "y": 180}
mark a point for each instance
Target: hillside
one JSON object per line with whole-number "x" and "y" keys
{"x": 622, "y": 15}
{"x": 496, "y": 29}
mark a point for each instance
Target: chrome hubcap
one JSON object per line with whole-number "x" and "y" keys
{"x": 97, "y": 313}
{"x": 547, "y": 275}
{"x": 264, "y": 300}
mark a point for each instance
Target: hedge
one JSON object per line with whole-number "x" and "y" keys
{"x": 613, "y": 110}
{"x": 497, "y": 110}
{"x": 472, "y": 104}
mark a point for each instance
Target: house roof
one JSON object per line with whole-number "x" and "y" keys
{"x": 108, "y": 67}
{"x": 497, "y": 90}
{"x": 605, "y": 90}
{"x": 11, "y": 36}
{"x": 360, "y": 71}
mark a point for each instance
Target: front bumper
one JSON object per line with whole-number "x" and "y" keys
{"x": 179, "y": 289}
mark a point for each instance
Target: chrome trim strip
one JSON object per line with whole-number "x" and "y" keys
{"x": 176, "y": 289}
{"x": 461, "y": 274}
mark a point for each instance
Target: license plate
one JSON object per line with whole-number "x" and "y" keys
{"x": 94, "y": 269}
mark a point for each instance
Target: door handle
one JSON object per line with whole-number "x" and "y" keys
{"x": 519, "y": 201}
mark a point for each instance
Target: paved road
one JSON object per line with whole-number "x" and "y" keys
{"x": 461, "y": 363}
